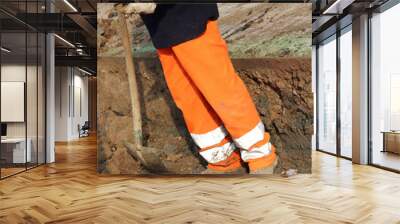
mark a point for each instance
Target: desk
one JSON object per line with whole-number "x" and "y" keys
{"x": 13, "y": 150}
{"x": 391, "y": 141}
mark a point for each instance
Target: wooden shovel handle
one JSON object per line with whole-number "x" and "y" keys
{"x": 132, "y": 81}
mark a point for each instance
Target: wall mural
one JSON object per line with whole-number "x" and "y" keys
{"x": 270, "y": 48}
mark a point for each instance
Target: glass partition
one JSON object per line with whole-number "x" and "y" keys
{"x": 14, "y": 151}
{"x": 22, "y": 88}
{"x": 41, "y": 97}
{"x": 346, "y": 92}
{"x": 385, "y": 89}
{"x": 31, "y": 100}
{"x": 327, "y": 95}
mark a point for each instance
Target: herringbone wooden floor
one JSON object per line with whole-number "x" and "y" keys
{"x": 70, "y": 191}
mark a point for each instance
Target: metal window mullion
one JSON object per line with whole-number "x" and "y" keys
{"x": 60, "y": 90}
{"x": 316, "y": 96}
{"x": 73, "y": 92}
{"x": 26, "y": 86}
{"x": 45, "y": 91}
{"x": 369, "y": 100}
{"x": 69, "y": 92}
{"x": 338, "y": 97}
{"x": 37, "y": 91}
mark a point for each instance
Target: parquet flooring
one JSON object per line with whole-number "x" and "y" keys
{"x": 70, "y": 191}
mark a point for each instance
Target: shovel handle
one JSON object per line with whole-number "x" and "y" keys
{"x": 132, "y": 81}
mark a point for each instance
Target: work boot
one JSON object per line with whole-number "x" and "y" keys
{"x": 266, "y": 170}
{"x": 232, "y": 165}
{"x": 264, "y": 165}
{"x": 239, "y": 170}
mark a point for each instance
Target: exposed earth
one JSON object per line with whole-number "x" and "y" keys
{"x": 252, "y": 30}
{"x": 281, "y": 89}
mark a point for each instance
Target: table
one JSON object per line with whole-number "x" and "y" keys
{"x": 391, "y": 141}
{"x": 13, "y": 150}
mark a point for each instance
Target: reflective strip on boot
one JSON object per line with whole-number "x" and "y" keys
{"x": 252, "y": 137}
{"x": 210, "y": 138}
{"x": 219, "y": 153}
{"x": 256, "y": 152}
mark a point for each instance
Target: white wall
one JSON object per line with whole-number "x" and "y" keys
{"x": 71, "y": 102}
{"x": 62, "y": 81}
{"x": 12, "y": 73}
{"x": 17, "y": 72}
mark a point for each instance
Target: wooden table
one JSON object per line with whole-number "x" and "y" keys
{"x": 391, "y": 141}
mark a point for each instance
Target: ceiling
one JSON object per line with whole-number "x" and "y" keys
{"x": 74, "y": 22}
{"x": 331, "y": 15}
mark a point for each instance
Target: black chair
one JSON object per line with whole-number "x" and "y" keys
{"x": 84, "y": 130}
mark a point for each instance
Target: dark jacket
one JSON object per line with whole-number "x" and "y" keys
{"x": 172, "y": 24}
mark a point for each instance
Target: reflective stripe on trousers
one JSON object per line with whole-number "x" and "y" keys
{"x": 213, "y": 99}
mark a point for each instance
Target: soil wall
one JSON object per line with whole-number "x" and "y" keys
{"x": 281, "y": 89}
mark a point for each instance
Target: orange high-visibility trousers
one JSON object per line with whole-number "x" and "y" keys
{"x": 217, "y": 108}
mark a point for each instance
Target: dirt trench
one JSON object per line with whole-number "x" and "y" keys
{"x": 281, "y": 89}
